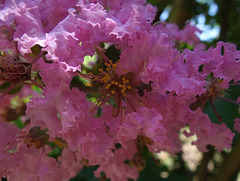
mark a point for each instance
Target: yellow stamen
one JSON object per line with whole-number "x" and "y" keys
{"x": 108, "y": 86}
{"x": 114, "y": 66}
{"x": 88, "y": 84}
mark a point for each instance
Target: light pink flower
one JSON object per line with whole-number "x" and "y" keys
{"x": 237, "y": 124}
{"x": 70, "y": 162}
{"x": 223, "y": 62}
{"x": 209, "y": 133}
{"x": 31, "y": 164}
{"x": 116, "y": 169}
{"x": 8, "y": 135}
{"x": 58, "y": 115}
{"x": 146, "y": 122}
{"x": 54, "y": 11}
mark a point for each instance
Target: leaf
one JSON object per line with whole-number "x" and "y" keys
{"x": 86, "y": 174}
{"x": 19, "y": 123}
{"x": 4, "y": 86}
{"x": 227, "y": 110}
{"x": 153, "y": 172}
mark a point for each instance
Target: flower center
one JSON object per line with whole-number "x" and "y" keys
{"x": 119, "y": 87}
{"x": 114, "y": 84}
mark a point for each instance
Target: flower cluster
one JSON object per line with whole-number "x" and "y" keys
{"x": 140, "y": 96}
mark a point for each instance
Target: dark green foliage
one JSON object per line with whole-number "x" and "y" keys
{"x": 4, "y": 86}
{"x": 86, "y": 174}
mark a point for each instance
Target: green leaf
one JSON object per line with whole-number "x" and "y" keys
{"x": 19, "y": 123}
{"x": 55, "y": 152}
{"x": 227, "y": 110}
{"x": 86, "y": 174}
{"x": 37, "y": 89}
{"x": 153, "y": 172}
{"x": 4, "y": 86}
{"x": 78, "y": 82}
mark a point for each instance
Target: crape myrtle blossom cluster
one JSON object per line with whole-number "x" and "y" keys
{"x": 143, "y": 99}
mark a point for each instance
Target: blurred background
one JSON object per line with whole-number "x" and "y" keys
{"x": 219, "y": 20}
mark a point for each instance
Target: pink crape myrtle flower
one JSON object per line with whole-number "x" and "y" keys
{"x": 63, "y": 116}
{"x": 116, "y": 169}
{"x": 209, "y": 133}
{"x": 187, "y": 35}
{"x": 74, "y": 28}
{"x": 8, "y": 137}
{"x": 166, "y": 67}
{"x": 116, "y": 78}
{"x": 31, "y": 164}
{"x": 143, "y": 99}
{"x": 237, "y": 124}
{"x": 52, "y": 12}
{"x": 69, "y": 120}
{"x": 223, "y": 63}
{"x": 71, "y": 162}
{"x": 22, "y": 163}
